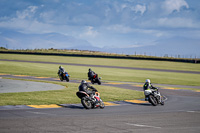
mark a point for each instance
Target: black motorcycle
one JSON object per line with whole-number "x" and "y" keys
{"x": 154, "y": 97}
{"x": 95, "y": 79}
{"x": 90, "y": 101}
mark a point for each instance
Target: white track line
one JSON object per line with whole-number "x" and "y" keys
{"x": 139, "y": 125}
{"x": 193, "y": 111}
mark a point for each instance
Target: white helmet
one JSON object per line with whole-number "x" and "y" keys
{"x": 148, "y": 80}
{"x": 83, "y": 82}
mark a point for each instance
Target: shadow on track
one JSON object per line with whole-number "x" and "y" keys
{"x": 72, "y": 106}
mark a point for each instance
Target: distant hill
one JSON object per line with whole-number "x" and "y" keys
{"x": 17, "y": 40}
{"x": 176, "y": 46}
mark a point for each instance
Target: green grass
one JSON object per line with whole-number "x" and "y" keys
{"x": 111, "y": 74}
{"x": 108, "y": 62}
{"x": 66, "y": 95}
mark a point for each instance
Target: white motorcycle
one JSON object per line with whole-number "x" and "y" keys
{"x": 154, "y": 97}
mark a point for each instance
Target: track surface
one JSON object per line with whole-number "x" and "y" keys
{"x": 180, "y": 114}
{"x": 11, "y": 86}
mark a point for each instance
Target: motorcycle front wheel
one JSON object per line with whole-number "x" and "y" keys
{"x": 98, "y": 81}
{"x": 162, "y": 101}
{"x": 153, "y": 100}
{"x": 86, "y": 103}
{"x": 67, "y": 79}
{"x": 102, "y": 106}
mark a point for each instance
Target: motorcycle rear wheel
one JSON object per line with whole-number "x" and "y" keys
{"x": 86, "y": 103}
{"x": 153, "y": 100}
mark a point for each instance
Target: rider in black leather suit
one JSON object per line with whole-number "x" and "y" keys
{"x": 84, "y": 87}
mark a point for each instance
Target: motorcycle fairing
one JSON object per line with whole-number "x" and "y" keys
{"x": 81, "y": 94}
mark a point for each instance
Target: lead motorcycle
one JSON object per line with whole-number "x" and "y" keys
{"x": 154, "y": 97}
{"x": 96, "y": 79}
{"x": 64, "y": 76}
{"x": 90, "y": 101}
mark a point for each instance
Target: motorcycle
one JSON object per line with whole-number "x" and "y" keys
{"x": 64, "y": 76}
{"x": 95, "y": 79}
{"x": 90, "y": 101}
{"x": 154, "y": 97}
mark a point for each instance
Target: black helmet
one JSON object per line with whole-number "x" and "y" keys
{"x": 90, "y": 69}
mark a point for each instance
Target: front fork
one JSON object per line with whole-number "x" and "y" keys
{"x": 158, "y": 96}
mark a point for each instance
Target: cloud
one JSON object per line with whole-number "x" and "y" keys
{"x": 174, "y": 5}
{"x": 104, "y": 22}
{"x": 89, "y": 32}
{"x": 177, "y": 22}
{"x": 119, "y": 28}
{"x": 122, "y": 29}
{"x": 139, "y": 8}
{"x": 23, "y": 20}
{"x": 27, "y": 13}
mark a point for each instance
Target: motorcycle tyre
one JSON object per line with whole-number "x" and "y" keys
{"x": 153, "y": 100}
{"x": 61, "y": 79}
{"x": 67, "y": 79}
{"x": 83, "y": 101}
{"x": 162, "y": 102}
{"x": 99, "y": 82}
{"x": 102, "y": 106}
{"x": 92, "y": 81}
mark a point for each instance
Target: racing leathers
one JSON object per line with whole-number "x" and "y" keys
{"x": 61, "y": 71}
{"x": 148, "y": 86}
{"x": 91, "y": 74}
{"x": 85, "y": 87}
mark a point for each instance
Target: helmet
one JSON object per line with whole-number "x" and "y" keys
{"x": 90, "y": 69}
{"x": 148, "y": 80}
{"x": 60, "y": 66}
{"x": 83, "y": 82}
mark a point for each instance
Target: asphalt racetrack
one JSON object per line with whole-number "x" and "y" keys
{"x": 10, "y": 86}
{"x": 180, "y": 114}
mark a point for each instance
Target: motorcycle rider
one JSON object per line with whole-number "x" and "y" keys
{"x": 84, "y": 86}
{"x": 148, "y": 86}
{"x": 91, "y": 74}
{"x": 61, "y": 71}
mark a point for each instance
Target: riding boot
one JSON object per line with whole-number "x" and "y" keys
{"x": 96, "y": 104}
{"x": 146, "y": 98}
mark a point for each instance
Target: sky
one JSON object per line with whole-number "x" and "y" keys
{"x": 101, "y": 24}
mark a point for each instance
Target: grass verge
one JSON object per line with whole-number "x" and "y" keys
{"x": 107, "y": 62}
{"x": 66, "y": 95}
{"x": 111, "y": 74}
